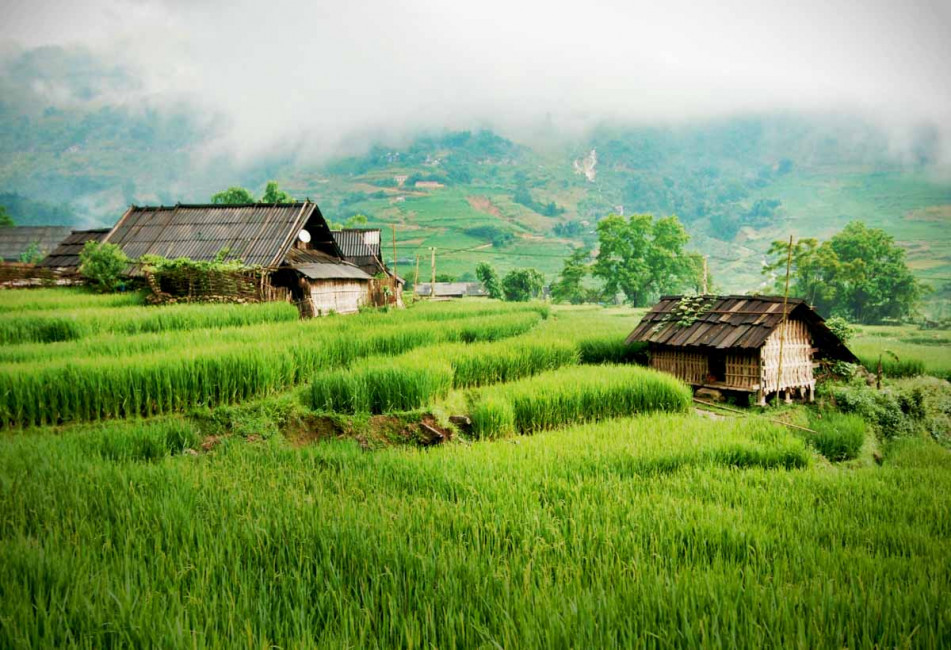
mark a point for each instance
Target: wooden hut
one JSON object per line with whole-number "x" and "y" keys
{"x": 290, "y": 243}
{"x": 362, "y": 248}
{"x": 65, "y": 257}
{"x": 17, "y": 241}
{"x": 739, "y": 343}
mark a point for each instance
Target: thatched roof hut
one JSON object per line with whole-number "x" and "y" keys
{"x": 733, "y": 342}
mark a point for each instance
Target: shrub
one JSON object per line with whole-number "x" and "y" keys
{"x": 103, "y": 265}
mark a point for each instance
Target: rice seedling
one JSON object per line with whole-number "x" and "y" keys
{"x": 660, "y": 530}
{"x": 376, "y": 386}
{"x": 572, "y": 395}
{"x": 33, "y": 300}
{"x": 839, "y": 436}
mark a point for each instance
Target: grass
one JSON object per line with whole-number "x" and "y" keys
{"x": 217, "y": 521}
{"x": 571, "y": 395}
{"x": 905, "y": 350}
{"x": 660, "y": 530}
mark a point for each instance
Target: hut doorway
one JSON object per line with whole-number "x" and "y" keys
{"x": 717, "y": 367}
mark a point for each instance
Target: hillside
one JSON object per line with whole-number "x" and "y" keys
{"x": 736, "y": 183}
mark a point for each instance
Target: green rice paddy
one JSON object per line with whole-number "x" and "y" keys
{"x": 203, "y": 485}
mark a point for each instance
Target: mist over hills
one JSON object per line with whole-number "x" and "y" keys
{"x": 80, "y": 140}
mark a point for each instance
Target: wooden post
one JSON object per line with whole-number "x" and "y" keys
{"x": 878, "y": 374}
{"x": 416, "y": 278}
{"x": 432, "y": 285}
{"x": 703, "y": 291}
{"x": 782, "y": 325}
{"x": 393, "y": 227}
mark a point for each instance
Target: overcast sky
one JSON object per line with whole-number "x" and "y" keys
{"x": 333, "y": 69}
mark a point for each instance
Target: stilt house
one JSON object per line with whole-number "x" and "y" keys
{"x": 739, "y": 343}
{"x": 290, "y": 243}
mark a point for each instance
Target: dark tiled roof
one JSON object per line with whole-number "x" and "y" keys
{"x": 732, "y": 322}
{"x": 66, "y": 255}
{"x": 15, "y": 240}
{"x": 258, "y": 234}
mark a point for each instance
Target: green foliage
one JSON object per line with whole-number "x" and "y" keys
{"x": 375, "y": 387}
{"x": 841, "y": 328}
{"x": 520, "y": 285}
{"x": 27, "y": 212}
{"x": 903, "y": 407}
{"x": 234, "y": 195}
{"x": 860, "y": 273}
{"x": 103, "y": 264}
{"x": 489, "y": 278}
{"x": 839, "y": 436}
{"x": 568, "y": 287}
{"x": 272, "y": 194}
{"x": 643, "y": 258}
{"x": 5, "y": 219}
{"x": 32, "y": 254}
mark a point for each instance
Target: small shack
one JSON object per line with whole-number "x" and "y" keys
{"x": 362, "y": 248}
{"x": 739, "y": 343}
{"x": 290, "y": 244}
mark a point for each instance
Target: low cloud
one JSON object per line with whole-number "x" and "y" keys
{"x": 321, "y": 75}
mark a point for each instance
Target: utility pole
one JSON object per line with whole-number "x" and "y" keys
{"x": 782, "y": 324}
{"x": 416, "y": 278}
{"x": 393, "y": 227}
{"x": 432, "y": 286}
{"x": 703, "y": 291}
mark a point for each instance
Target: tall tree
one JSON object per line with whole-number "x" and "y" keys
{"x": 642, "y": 258}
{"x": 5, "y": 219}
{"x": 489, "y": 278}
{"x": 567, "y": 288}
{"x": 520, "y": 285}
{"x": 273, "y": 194}
{"x": 234, "y": 195}
{"x": 860, "y": 273}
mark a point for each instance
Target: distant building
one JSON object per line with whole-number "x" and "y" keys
{"x": 428, "y": 185}
{"x": 297, "y": 254}
{"x": 733, "y": 343}
{"x": 16, "y": 241}
{"x": 65, "y": 257}
{"x": 400, "y": 179}
{"x": 451, "y": 289}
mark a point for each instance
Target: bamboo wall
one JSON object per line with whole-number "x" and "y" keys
{"x": 691, "y": 367}
{"x": 797, "y": 359}
{"x": 338, "y": 296}
{"x": 742, "y": 371}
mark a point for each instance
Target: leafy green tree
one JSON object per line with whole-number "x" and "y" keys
{"x": 272, "y": 194}
{"x": 489, "y": 278}
{"x": 860, "y": 274}
{"x": 5, "y": 219}
{"x": 642, "y": 258}
{"x": 234, "y": 195}
{"x": 356, "y": 221}
{"x": 520, "y": 285}
{"x": 102, "y": 264}
{"x": 567, "y": 288}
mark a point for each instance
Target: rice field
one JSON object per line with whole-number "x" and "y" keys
{"x": 207, "y": 485}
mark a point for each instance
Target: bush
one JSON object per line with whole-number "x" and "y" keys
{"x": 840, "y": 436}
{"x": 103, "y": 265}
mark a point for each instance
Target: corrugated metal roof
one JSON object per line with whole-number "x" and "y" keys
{"x": 66, "y": 255}
{"x": 15, "y": 240}
{"x": 258, "y": 234}
{"x": 317, "y": 265}
{"x": 361, "y": 247}
{"x": 731, "y": 322}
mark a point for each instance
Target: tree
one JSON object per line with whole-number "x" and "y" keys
{"x": 520, "y": 285}
{"x": 489, "y": 278}
{"x": 233, "y": 196}
{"x": 272, "y": 194}
{"x": 103, "y": 265}
{"x": 5, "y": 219}
{"x": 567, "y": 288}
{"x": 860, "y": 274}
{"x": 642, "y": 258}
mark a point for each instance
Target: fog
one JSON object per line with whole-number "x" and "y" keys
{"x": 318, "y": 76}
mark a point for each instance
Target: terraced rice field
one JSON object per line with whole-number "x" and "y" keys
{"x": 246, "y": 482}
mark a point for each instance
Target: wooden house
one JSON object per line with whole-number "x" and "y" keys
{"x": 291, "y": 243}
{"x": 65, "y": 257}
{"x": 17, "y": 241}
{"x": 739, "y": 343}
